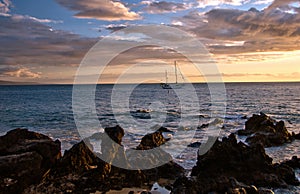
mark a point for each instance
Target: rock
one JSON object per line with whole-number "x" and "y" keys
{"x": 265, "y": 131}
{"x": 219, "y": 184}
{"x": 213, "y": 123}
{"x": 244, "y": 117}
{"x": 115, "y": 133}
{"x": 195, "y": 145}
{"x": 22, "y": 170}
{"x": 80, "y": 170}
{"x": 170, "y": 170}
{"x": 83, "y": 171}
{"x": 237, "y": 191}
{"x": 258, "y": 138}
{"x": 152, "y": 140}
{"x": 79, "y": 159}
{"x": 293, "y": 163}
{"x": 25, "y": 157}
{"x": 265, "y": 191}
{"x": 112, "y": 150}
{"x": 202, "y": 116}
{"x": 296, "y": 136}
{"x": 164, "y": 130}
{"x": 229, "y": 158}
{"x": 203, "y": 126}
{"x": 22, "y": 140}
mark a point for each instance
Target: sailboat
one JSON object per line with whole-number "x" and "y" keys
{"x": 166, "y": 85}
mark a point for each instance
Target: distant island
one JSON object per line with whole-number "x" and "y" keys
{"x": 2, "y": 82}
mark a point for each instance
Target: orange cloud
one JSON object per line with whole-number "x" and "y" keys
{"x": 19, "y": 72}
{"x": 277, "y": 28}
{"x": 101, "y": 10}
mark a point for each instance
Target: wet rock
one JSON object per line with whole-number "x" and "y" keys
{"x": 213, "y": 123}
{"x": 203, "y": 126}
{"x": 82, "y": 171}
{"x": 170, "y": 170}
{"x": 261, "y": 139}
{"x": 265, "y": 191}
{"x": 25, "y": 157}
{"x": 296, "y": 136}
{"x": 22, "y": 140}
{"x": 115, "y": 133}
{"x": 152, "y": 140}
{"x": 265, "y": 131}
{"x": 112, "y": 150}
{"x": 237, "y": 191}
{"x": 244, "y": 117}
{"x": 215, "y": 170}
{"x": 293, "y": 163}
{"x": 195, "y": 145}
{"x": 164, "y": 130}
{"x": 260, "y": 122}
{"x": 19, "y": 171}
{"x": 80, "y": 158}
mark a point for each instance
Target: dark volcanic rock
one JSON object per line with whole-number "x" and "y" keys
{"x": 165, "y": 130}
{"x": 227, "y": 159}
{"x": 25, "y": 157}
{"x": 205, "y": 125}
{"x": 170, "y": 170}
{"x": 265, "y": 131}
{"x": 293, "y": 163}
{"x": 22, "y": 140}
{"x": 296, "y": 136}
{"x": 81, "y": 170}
{"x": 19, "y": 171}
{"x": 195, "y": 145}
{"x": 115, "y": 133}
{"x": 152, "y": 140}
{"x": 79, "y": 159}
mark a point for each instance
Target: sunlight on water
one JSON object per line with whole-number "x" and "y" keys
{"x": 48, "y": 109}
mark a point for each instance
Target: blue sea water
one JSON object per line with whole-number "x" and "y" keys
{"x": 48, "y": 109}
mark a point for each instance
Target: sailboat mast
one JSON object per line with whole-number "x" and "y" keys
{"x": 175, "y": 71}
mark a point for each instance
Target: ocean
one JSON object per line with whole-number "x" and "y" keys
{"x": 48, "y": 109}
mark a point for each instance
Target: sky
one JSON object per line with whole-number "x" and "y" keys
{"x": 45, "y": 41}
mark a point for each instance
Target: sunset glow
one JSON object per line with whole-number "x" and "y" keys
{"x": 250, "y": 41}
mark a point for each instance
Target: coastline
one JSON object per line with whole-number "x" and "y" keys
{"x": 221, "y": 169}
{"x": 12, "y": 83}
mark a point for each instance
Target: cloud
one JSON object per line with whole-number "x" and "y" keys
{"x": 262, "y": 2}
{"x": 288, "y": 76}
{"x": 158, "y": 7}
{"x": 108, "y": 10}
{"x": 5, "y": 6}
{"x": 19, "y": 72}
{"x": 206, "y": 3}
{"x": 238, "y": 75}
{"x": 272, "y": 29}
{"x": 34, "y": 19}
{"x": 27, "y": 43}
{"x": 115, "y": 27}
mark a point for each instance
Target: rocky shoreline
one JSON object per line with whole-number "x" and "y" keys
{"x": 31, "y": 162}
